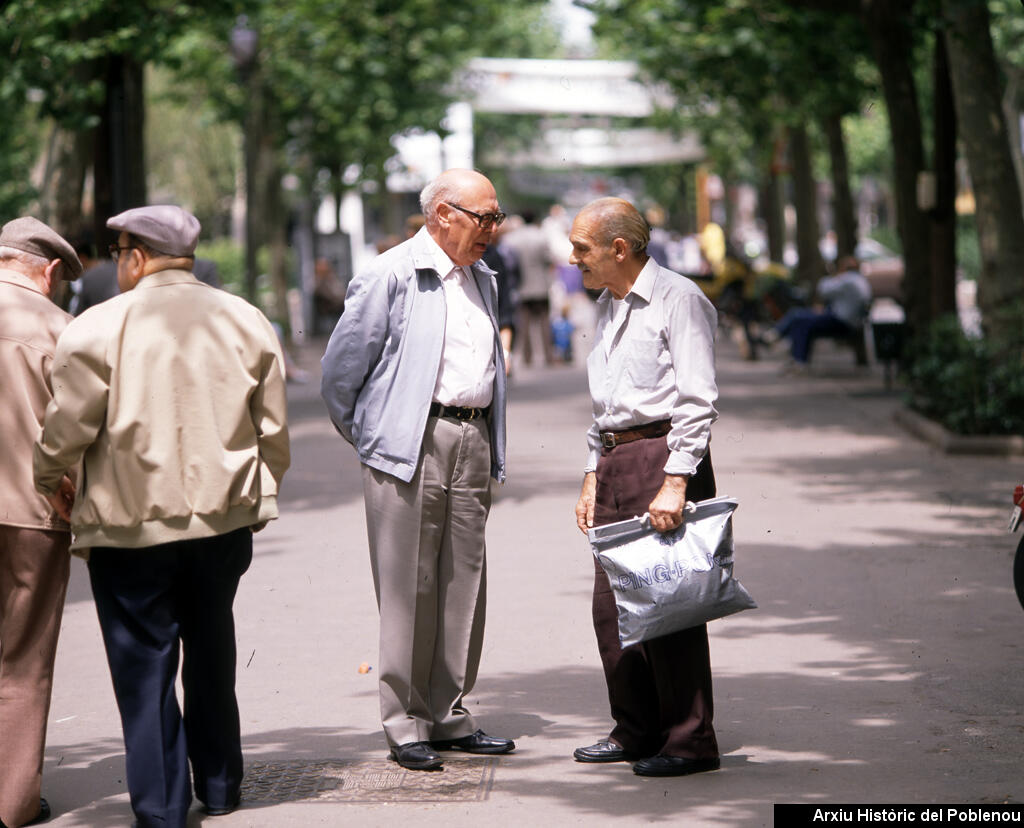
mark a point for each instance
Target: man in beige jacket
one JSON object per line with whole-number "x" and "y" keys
{"x": 173, "y": 396}
{"x": 33, "y": 539}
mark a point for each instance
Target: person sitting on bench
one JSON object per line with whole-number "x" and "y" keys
{"x": 846, "y": 297}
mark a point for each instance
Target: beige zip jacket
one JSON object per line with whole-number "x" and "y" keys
{"x": 173, "y": 395}
{"x": 29, "y": 326}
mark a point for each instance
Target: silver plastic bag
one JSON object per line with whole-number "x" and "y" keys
{"x": 668, "y": 582}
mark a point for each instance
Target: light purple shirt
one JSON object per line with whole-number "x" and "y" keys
{"x": 656, "y": 361}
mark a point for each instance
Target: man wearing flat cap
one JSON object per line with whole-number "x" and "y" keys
{"x": 172, "y": 395}
{"x": 33, "y": 538}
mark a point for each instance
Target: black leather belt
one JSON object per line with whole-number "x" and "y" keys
{"x": 611, "y": 439}
{"x": 457, "y": 412}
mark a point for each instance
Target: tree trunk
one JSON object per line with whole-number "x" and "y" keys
{"x": 943, "y": 214}
{"x": 998, "y": 215}
{"x": 68, "y": 158}
{"x": 888, "y": 26}
{"x": 845, "y": 214}
{"x": 810, "y": 266}
{"x": 774, "y": 221}
{"x": 119, "y": 168}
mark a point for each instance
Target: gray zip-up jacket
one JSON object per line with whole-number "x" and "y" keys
{"x": 381, "y": 363}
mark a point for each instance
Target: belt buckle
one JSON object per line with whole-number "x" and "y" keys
{"x": 608, "y": 439}
{"x": 464, "y": 414}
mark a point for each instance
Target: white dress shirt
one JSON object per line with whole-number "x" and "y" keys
{"x": 466, "y": 374}
{"x": 654, "y": 360}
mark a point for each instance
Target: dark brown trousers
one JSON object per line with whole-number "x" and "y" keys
{"x": 659, "y": 690}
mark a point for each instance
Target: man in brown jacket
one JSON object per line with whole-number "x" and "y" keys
{"x": 33, "y": 539}
{"x": 173, "y": 396}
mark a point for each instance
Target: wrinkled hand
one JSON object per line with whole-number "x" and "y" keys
{"x": 585, "y": 505}
{"x": 64, "y": 498}
{"x": 666, "y": 510}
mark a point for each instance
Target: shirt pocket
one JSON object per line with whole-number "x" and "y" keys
{"x": 643, "y": 362}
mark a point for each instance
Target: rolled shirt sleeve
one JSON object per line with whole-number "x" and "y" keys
{"x": 655, "y": 362}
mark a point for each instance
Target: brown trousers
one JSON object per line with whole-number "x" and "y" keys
{"x": 659, "y": 690}
{"x": 34, "y": 567}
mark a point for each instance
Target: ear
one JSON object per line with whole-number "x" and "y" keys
{"x": 621, "y": 249}
{"x": 444, "y": 213}
{"x": 52, "y": 274}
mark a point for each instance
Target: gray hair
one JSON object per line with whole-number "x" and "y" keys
{"x": 615, "y": 218}
{"x": 28, "y": 260}
{"x": 438, "y": 191}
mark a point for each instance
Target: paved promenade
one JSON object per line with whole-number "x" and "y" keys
{"x": 883, "y": 664}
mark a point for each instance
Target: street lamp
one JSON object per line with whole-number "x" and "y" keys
{"x": 244, "y": 51}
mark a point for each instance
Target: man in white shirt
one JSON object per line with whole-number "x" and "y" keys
{"x": 414, "y": 378}
{"x": 652, "y": 379}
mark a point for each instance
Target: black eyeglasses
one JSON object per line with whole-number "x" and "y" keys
{"x": 115, "y": 250}
{"x": 485, "y": 221}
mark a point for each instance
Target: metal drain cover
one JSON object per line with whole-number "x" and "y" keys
{"x": 335, "y": 780}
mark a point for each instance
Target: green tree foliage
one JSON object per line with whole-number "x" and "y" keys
{"x": 741, "y": 66}
{"x": 341, "y": 78}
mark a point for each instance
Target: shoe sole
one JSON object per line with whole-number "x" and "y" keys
{"x": 692, "y": 769}
{"x": 484, "y": 752}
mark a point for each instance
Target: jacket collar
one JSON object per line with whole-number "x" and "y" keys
{"x": 428, "y": 255}
{"x": 165, "y": 277}
{"x": 13, "y": 277}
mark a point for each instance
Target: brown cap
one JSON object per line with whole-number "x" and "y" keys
{"x": 30, "y": 235}
{"x": 167, "y": 229}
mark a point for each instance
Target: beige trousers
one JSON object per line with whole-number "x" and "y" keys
{"x": 429, "y": 571}
{"x": 34, "y": 567}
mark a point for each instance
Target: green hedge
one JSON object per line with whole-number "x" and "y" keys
{"x": 970, "y": 386}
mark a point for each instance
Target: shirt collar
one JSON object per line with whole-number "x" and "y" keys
{"x": 441, "y": 261}
{"x": 643, "y": 287}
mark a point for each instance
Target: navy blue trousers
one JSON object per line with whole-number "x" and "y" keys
{"x": 152, "y": 603}
{"x": 802, "y": 326}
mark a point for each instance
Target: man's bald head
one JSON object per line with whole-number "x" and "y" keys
{"x": 453, "y": 186}
{"x": 461, "y": 211}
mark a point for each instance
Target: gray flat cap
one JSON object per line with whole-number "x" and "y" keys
{"x": 165, "y": 228}
{"x": 30, "y": 235}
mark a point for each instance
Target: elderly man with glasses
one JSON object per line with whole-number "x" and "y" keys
{"x": 414, "y": 378}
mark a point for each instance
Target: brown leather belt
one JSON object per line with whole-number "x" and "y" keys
{"x": 457, "y": 412}
{"x": 611, "y": 439}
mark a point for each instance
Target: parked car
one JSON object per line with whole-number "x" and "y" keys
{"x": 882, "y": 267}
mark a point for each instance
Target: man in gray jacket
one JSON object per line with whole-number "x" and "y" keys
{"x": 414, "y": 378}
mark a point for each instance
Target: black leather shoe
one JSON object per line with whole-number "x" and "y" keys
{"x": 43, "y": 815}
{"x": 416, "y": 756}
{"x": 478, "y": 742}
{"x": 603, "y": 751}
{"x": 662, "y": 765}
{"x": 221, "y": 810}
